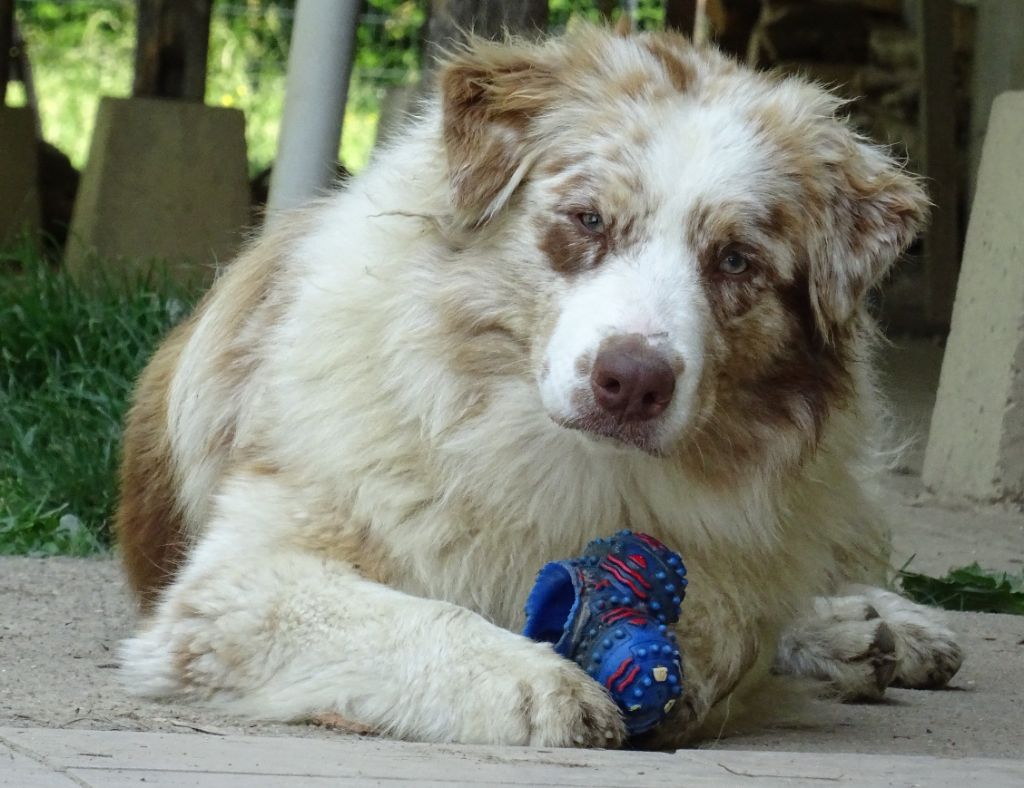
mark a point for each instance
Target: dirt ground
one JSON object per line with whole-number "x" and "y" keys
{"x": 61, "y": 620}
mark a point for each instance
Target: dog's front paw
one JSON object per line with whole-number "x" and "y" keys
{"x": 929, "y": 655}
{"x": 927, "y": 652}
{"x": 561, "y": 706}
{"x": 845, "y": 642}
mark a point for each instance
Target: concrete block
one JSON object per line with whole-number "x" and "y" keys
{"x": 166, "y": 183}
{"x": 976, "y": 442}
{"x": 19, "y": 175}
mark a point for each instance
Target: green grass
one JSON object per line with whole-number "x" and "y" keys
{"x": 68, "y": 360}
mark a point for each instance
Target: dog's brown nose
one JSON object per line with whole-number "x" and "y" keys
{"x": 631, "y": 380}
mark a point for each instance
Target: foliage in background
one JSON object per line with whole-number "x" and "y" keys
{"x": 78, "y": 51}
{"x": 81, "y": 50}
{"x": 68, "y": 361}
{"x": 649, "y": 14}
{"x": 967, "y": 588}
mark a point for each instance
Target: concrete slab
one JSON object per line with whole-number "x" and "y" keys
{"x": 20, "y": 771}
{"x": 58, "y": 669}
{"x": 166, "y": 181}
{"x": 118, "y": 778}
{"x": 976, "y": 444}
{"x": 100, "y": 758}
{"x": 19, "y": 177}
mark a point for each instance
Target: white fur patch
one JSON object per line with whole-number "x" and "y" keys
{"x": 654, "y": 293}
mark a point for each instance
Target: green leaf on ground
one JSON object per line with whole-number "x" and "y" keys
{"x": 967, "y": 588}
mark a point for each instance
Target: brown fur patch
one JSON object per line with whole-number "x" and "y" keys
{"x": 669, "y": 49}
{"x": 353, "y": 546}
{"x": 568, "y": 249}
{"x": 866, "y": 206}
{"x": 490, "y": 351}
{"x": 149, "y": 526}
{"x": 775, "y": 384}
{"x": 633, "y": 84}
{"x": 489, "y": 95}
{"x": 774, "y": 377}
{"x": 335, "y": 722}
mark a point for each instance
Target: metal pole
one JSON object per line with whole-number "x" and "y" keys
{"x": 319, "y": 67}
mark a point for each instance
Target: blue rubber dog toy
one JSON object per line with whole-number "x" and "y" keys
{"x": 610, "y": 611}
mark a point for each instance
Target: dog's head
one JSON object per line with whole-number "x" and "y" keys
{"x": 693, "y": 242}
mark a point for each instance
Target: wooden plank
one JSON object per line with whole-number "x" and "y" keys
{"x": 940, "y": 160}
{"x": 173, "y": 38}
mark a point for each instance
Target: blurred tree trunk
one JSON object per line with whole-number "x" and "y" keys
{"x": 681, "y": 15}
{"x": 732, "y": 22}
{"x": 6, "y": 40}
{"x": 607, "y": 7}
{"x": 449, "y": 19}
{"x": 171, "y": 49}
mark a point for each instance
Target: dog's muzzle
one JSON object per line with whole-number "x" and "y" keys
{"x": 631, "y": 381}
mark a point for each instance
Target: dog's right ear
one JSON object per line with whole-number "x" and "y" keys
{"x": 491, "y": 93}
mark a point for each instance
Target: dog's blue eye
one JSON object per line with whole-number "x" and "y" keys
{"x": 591, "y": 222}
{"x": 733, "y": 264}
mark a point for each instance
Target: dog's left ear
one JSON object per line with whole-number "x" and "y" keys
{"x": 490, "y": 95}
{"x": 876, "y": 210}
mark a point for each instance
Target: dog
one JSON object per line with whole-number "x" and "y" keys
{"x": 600, "y": 282}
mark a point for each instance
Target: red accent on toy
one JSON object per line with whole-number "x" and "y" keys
{"x": 617, "y": 614}
{"x": 618, "y": 672}
{"x": 627, "y": 568}
{"x": 614, "y": 572}
{"x": 628, "y": 680}
{"x": 650, "y": 541}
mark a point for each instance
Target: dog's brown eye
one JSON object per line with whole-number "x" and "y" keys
{"x": 591, "y": 222}
{"x": 733, "y": 263}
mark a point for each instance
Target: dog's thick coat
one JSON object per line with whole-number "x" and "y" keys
{"x": 343, "y": 472}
